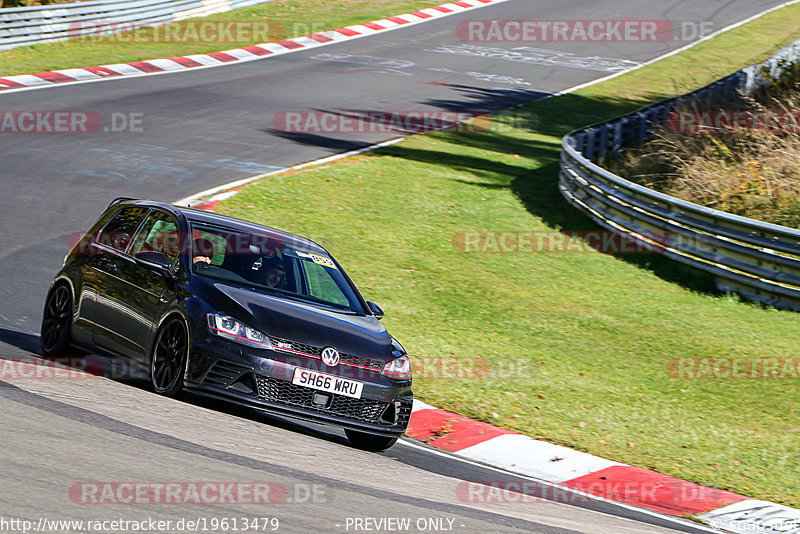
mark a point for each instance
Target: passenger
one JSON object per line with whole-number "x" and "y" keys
{"x": 203, "y": 251}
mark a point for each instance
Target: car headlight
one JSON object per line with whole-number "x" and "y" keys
{"x": 398, "y": 369}
{"x": 229, "y": 328}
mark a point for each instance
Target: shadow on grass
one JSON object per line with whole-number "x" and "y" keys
{"x": 537, "y": 187}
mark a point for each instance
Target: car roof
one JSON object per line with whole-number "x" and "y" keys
{"x": 202, "y": 216}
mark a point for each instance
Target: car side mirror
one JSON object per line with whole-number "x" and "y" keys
{"x": 376, "y": 310}
{"x": 156, "y": 261}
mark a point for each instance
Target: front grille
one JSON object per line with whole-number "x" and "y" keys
{"x": 347, "y": 359}
{"x": 283, "y": 392}
{"x": 301, "y": 347}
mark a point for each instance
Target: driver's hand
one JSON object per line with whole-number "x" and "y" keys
{"x": 201, "y": 259}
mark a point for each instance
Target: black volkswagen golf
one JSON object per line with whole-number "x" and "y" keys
{"x": 232, "y": 310}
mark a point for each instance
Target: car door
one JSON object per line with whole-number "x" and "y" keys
{"x": 104, "y": 276}
{"x": 145, "y": 292}
{"x": 130, "y": 301}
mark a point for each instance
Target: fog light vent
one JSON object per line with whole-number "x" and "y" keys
{"x": 389, "y": 415}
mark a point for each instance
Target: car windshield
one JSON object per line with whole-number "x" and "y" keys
{"x": 270, "y": 263}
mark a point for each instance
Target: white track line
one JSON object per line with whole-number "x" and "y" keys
{"x": 187, "y": 201}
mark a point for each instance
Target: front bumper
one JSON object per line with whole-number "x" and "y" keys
{"x": 261, "y": 379}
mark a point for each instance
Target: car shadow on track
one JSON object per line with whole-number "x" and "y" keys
{"x": 21, "y": 340}
{"x": 334, "y": 129}
{"x": 483, "y": 100}
{"x": 135, "y": 376}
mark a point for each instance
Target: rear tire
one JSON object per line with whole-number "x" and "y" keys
{"x": 169, "y": 357}
{"x": 56, "y": 331}
{"x": 369, "y": 442}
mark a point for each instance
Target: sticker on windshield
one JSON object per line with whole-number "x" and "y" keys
{"x": 321, "y": 260}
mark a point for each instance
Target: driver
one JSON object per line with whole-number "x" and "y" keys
{"x": 203, "y": 251}
{"x": 274, "y": 273}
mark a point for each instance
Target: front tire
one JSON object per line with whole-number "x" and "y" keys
{"x": 56, "y": 332}
{"x": 170, "y": 354}
{"x": 369, "y": 442}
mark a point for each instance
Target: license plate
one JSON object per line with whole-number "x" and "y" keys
{"x": 328, "y": 383}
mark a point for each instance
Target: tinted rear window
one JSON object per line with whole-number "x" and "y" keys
{"x": 158, "y": 234}
{"x": 119, "y": 230}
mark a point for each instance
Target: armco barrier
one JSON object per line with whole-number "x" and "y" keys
{"x": 758, "y": 260}
{"x": 20, "y": 26}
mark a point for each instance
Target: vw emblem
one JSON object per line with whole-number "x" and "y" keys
{"x": 330, "y": 356}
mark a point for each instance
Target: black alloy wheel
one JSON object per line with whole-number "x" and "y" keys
{"x": 170, "y": 353}
{"x": 57, "y": 322}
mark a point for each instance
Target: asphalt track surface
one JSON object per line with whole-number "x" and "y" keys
{"x": 204, "y": 128}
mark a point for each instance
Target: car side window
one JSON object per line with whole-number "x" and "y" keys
{"x": 119, "y": 230}
{"x": 159, "y": 233}
{"x": 217, "y": 250}
{"x": 321, "y": 285}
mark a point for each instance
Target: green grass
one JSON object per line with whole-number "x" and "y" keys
{"x": 284, "y": 19}
{"x": 577, "y": 344}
